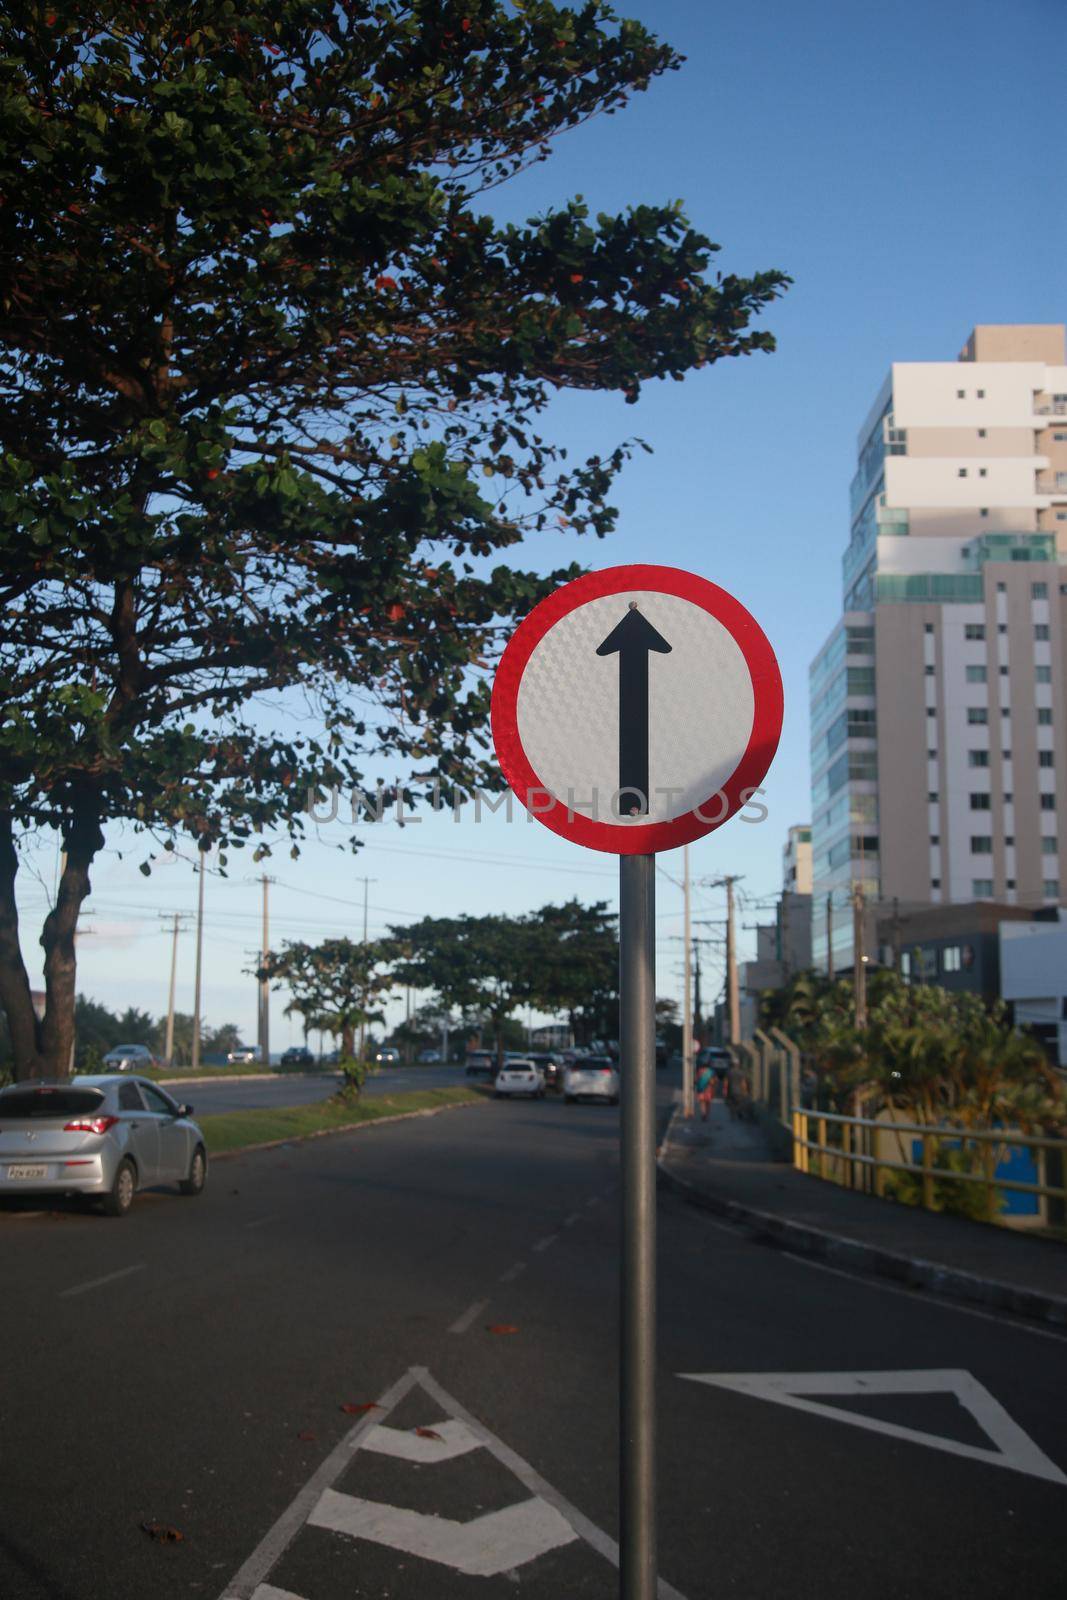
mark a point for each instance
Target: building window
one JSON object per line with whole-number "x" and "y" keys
{"x": 980, "y": 802}
{"x": 961, "y": 472}
{"x": 982, "y": 888}
{"x": 935, "y": 839}
{"x": 1044, "y": 716}
{"x": 1005, "y": 755}
{"x": 930, "y": 671}
{"x": 1039, "y": 591}
{"x": 1002, "y": 588}
{"x": 982, "y": 472}
{"x": 1005, "y": 711}
{"x": 1049, "y": 847}
{"x": 960, "y": 393}
{"x": 1003, "y": 672}
{"x": 980, "y": 393}
{"x": 928, "y": 627}
{"x": 981, "y": 844}
{"x": 951, "y": 958}
{"x": 1009, "y": 883}
{"x": 933, "y": 797}
{"x": 974, "y": 630}
{"x": 981, "y": 433}
{"x": 977, "y": 716}
{"x": 1042, "y": 674}
{"x": 1002, "y": 627}
{"x": 978, "y": 758}
{"x": 1041, "y": 630}
{"x": 935, "y": 883}
{"x": 1046, "y": 758}
{"x": 1051, "y": 888}
{"x": 976, "y": 675}
{"x": 984, "y": 512}
{"x": 931, "y": 755}
{"x": 1009, "y": 841}
{"x": 931, "y": 711}
{"x": 1048, "y": 802}
{"x": 1008, "y": 797}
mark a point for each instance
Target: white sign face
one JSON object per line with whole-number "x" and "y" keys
{"x": 636, "y": 709}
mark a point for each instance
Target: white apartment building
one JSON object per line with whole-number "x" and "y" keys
{"x": 939, "y": 749}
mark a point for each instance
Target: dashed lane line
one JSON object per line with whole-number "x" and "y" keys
{"x": 471, "y": 1315}
{"x": 543, "y": 1244}
{"x": 512, "y": 1273}
{"x": 100, "y": 1283}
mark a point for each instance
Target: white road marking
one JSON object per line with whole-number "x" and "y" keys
{"x": 277, "y": 1539}
{"x": 597, "y": 1200}
{"x": 98, "y": 1283}
{"x": 512, "y": 1273}
{"x": 259, "y": 1222}
{"x": 497, "y": 1542}
{"x": 471, "y": 1314}
{"x": 250, "y": 1584}
{"x": 1015, "y": 1449}
{"x": 532, "y": 1479}
{"x": 404, "y": 1444}
{"x": 543, "y": 1244}
{"x": 568, "y": 1222}
{"x": 923, "y": 1297}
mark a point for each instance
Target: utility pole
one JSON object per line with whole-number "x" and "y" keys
{"x": 168, "y": 1048}
{"x": 199, "y": 961}
{"x": 830, "y": 935}
{"x": 363, "y": 1026}
{"x": 859, "y": 957}
{"x": 264, "y": 983}
{"x": 687, "y": 1004}
{"x": 697, "y": 1024}
{"x": 733, "y": 1001}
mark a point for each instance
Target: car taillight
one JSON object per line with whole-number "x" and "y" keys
{"x": 607, "y": 1069}
{"x": 90, "y": 1125}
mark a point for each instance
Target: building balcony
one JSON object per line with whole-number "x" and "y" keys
{"x": 1051, "y": 408}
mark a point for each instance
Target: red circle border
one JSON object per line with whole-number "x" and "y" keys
{"x": 768, "y": 698}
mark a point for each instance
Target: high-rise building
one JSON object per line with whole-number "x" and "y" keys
{"x": 796, "y": 861}
{"x": 939, "y": 744}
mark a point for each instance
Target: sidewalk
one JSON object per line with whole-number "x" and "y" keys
{"x": 726, "y": 1167}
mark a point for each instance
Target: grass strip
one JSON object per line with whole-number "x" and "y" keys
{"x": 234, "y": 1130}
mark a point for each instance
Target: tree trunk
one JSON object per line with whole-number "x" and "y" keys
{"x": 348, "y": 1040}
{"x": 15, "y": 994}
{"x": 82, "y": 839}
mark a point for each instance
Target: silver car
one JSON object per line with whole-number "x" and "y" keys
{"x": 102, "y": 1136}
{"x": 129, "y": 1058}
{"x": 592, "y": 1078}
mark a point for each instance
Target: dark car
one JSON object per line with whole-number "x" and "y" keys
{"x": 297, "y": 1055}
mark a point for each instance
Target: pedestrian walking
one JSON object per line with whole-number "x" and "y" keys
{"x": 705, "y": 1087}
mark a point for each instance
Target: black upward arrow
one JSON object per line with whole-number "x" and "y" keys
{"x": 632, "y": 639}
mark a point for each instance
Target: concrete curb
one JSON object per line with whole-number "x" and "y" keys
{"x": 853, "y": 1255}
{"x": 241, "y": 1077}
{"x": 345, "y": 1127}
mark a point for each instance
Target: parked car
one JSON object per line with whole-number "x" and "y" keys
{"x": 243, "y": 1054}
{"x": 104, "y": 1136}
{"x": 297, "y": 1055}
{"x": 129, "y": 1058}
{"x": 429, "y": 1057}
{"x": 592, "y": 1078}
{"x": 386, "y": 1056}
{"x": 480, "y": 1064}
{"x": 520, "y": 1075}
{"x": 549, "y": 1065}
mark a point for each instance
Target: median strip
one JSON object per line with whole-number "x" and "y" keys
{"x": 227, "y": 1132}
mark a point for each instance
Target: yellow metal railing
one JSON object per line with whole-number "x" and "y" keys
{"x": 852, "y": 1159}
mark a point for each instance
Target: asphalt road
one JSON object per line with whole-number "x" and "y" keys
{"x": 188, "y": 1367}
{"x": 243, "y": 1094}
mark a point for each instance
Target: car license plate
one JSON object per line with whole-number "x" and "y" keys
{"x": 27, "y": 1172}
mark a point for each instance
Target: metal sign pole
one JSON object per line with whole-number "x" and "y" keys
{"x": 637, "y": 1370}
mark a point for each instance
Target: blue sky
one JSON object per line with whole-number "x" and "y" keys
{"x": 901, "y": 165}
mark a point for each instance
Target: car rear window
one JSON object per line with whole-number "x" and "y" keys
{"x": 20, "y": 1105}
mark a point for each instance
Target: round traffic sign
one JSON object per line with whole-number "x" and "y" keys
{"x": 636, "y": 709}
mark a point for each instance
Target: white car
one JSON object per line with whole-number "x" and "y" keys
{"x": 520, "y": 1077}
{"x": 243, "y": 1055}
{"x": 592, "y": 1078}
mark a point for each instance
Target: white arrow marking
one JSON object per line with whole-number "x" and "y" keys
{"x": 1015, "y": 1449}
{"x": 406, "y": 1445}
{"x": 497, "y": 1542}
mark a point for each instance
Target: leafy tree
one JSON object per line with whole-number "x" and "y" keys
{"x": 270, "y": 384}
{"x": 481, "y": 965}
{"x": 576, "y": 960}
{"x": 332, "y": 984}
